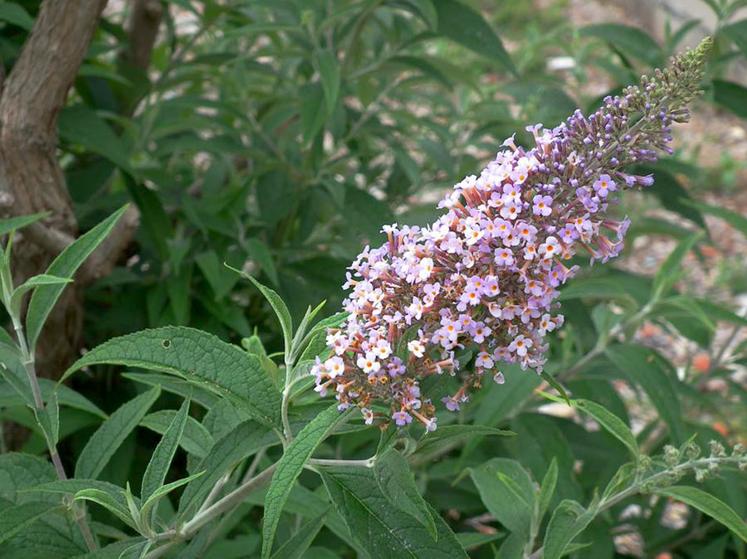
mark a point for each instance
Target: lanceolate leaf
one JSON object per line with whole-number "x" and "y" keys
{"x": 278, "y": 305}
{"x": 15, "y": 518}
{"x": 160, "y": 462}
{"x": 177, "y": 385}
{"x": 731, "y": 95}
{"x": 736, "y": 220}
{"x": 295, "y": 547}
{"x": 708, "y": 504}
{"x": 198, "y": 357}
{"x": 329, "y": 69}
{"x": 547, "y": 489}
{"x": 244, "y": 440}
{"x": 103, "y": 493}
{"x": 382, "y": 530}
{"x": 392, "y": 473}
{"x": 289, "y": 468}
{"x": 462, "y": 24}
{"x": 454, "y": 435}
{"x": 628, "y": 40}
{"x": 64, "y": 266}
{"x": 611, "y": 423}
{"x": 667, "y": 274}
{"x": 164, "y": 490}
{"x": 14, "y": 223}
{"x": 643, "y": 366}
{"x": 507, "y": 491}
{"x": 568, "y": 520}
{"x": 106, "y": 440}
{"x": 196, "y": 439}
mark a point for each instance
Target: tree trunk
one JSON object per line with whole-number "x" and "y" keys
{"x": 31, "y": 179}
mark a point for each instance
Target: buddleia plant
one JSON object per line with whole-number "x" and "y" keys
{"x": 462, "y": 298}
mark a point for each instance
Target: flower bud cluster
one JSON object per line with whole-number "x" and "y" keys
{"x": 484, "y": 277}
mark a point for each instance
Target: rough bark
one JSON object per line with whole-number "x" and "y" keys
{"x": 31, "y": 179}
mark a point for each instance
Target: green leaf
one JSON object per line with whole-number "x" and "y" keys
{"x": 198, "y": 357}
{"x": 365, "y": 214}
{"x": 568, "y": 520}
{"x": 314, "y": 343}
{"x": 645, "y": 367}
{"x": 289, "y": 468}
{"x": 102, "y": 493}
{"x": 460, "y": 23}
{"x": 670, "y": 193}
{"x": 195, "y": 439}
{"x": 160, "y": 461}
{"x": 300, "y": 335}
{"x": 454, "y": 435}
{"x": 731, "y": 96}
{"x": 244, "y": 440}
{"x": 552, "y": 381}
{"x": 278, "y": 305}
{"x": 708, "y": 504}
{"x": 296, "y": 547}
{"x": 392, "y": 473}
{"x": 14, "y": 223}
{"x": 737, "y": 32}
{"x": 176, "y": 385}
{"x": 329, "y": 70}
{"x": 16, "y": 15}
{"x": 547, "y": 489}
{"x": 113, "y": 502}
{"x": 42, "y": 279}
{"x": 736, "y": 220}
{"x": 107, "y": 439}
{"x": 81, "y": 125}
{"x": 312, "y": 111}
{"x": 473, "y": 540}
{"x": 221, "y": 280}
{"x": 629, "y": 40}
{"x": 22, "y": 471}
{"x": 611, "y": 423}
{"x": 499, "y": 401}
{"x": 15, "y": 518}
{"x": 385, "y": 532}
{"x": 164, "y": 490}
{"x": 64, "y": 266}
{"x": 260, "y": 253}
{"x": 669, "y": 272}
{"x": 65, "y": 396}
{"x": 507, "y": 491}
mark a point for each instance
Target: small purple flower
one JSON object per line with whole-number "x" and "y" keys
{"x": 402, "y": 418}
{"x": 484, "y": 361}
{"x": 542, "y": 205}
{"x": 504, "y": 257}
{"x": 604, "y": 185}
{"x": 451, "y": 403}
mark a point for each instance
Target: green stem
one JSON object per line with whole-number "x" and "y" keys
{"x": 642, "y": 485}
{"x": 226, "y": 503}
{"x": 78, "y": 510}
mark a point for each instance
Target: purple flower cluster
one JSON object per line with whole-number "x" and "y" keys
{"x": 485, "y": 275}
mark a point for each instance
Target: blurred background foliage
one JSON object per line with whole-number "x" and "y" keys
{"x": 279, "y": 135}
{"x": 284, "y": 134}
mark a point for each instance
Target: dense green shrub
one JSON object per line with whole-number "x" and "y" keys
{"x": 275, "y": 138}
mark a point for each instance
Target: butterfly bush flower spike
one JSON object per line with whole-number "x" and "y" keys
{"x": 485, "y": 275}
